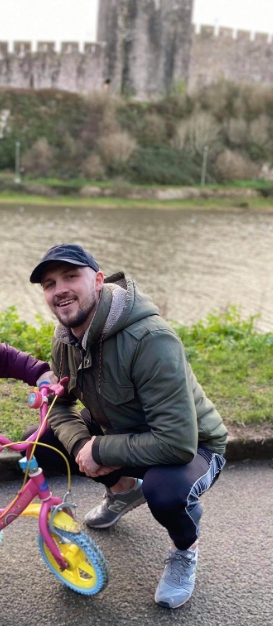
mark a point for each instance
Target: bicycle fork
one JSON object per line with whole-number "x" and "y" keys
{"x": 21, "y": 506}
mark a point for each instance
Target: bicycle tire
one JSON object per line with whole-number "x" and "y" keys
{"x": 88, "y": 574}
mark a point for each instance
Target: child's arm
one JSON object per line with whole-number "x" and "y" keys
{"x": 20, "y": 365}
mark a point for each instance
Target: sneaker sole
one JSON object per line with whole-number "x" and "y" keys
{"x": 127, "y": 509}
{"x": 165, "y": 605}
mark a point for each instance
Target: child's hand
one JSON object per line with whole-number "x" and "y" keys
{"x": 50, "y": 376}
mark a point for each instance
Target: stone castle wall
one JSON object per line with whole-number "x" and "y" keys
{"x": 231, "y": 55}
{"x": 144, "y": 48}
{"x": 68, "y": 69}
{"x": 147, "y": 44}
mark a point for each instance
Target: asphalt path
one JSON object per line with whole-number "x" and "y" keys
{"x": 235, "y": 573}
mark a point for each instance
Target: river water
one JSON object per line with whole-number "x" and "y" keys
{"x": 191, "y": 262}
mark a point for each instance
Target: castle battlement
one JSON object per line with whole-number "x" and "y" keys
{"x": 145, "y": 48}
{"x": 219, "y": 53}
{"x": 210, "y": 32}
{"x": 69, "y": 65}
{"x": 23, "y": 48}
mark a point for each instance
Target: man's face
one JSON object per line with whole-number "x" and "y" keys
{"x": 72, "y": 293}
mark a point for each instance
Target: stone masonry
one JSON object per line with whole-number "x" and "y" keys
{"x": 147, "y": 44}
{"x": 218, "y": 54}
{"x": 144, "y": 49}
{"x": 69, "y": 69}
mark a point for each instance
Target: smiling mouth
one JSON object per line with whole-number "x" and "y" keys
{"x": 65, "y": 303}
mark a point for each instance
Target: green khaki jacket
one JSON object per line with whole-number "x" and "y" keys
{"x": 137, "y": 384}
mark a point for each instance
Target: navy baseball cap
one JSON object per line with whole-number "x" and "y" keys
{"x": 68, "y": 253}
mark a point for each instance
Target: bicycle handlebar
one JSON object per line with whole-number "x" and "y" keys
{"x": 37, "y": 399}
{"x": 56, "y": 388}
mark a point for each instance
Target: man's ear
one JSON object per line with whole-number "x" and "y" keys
{"x": 99, "y": 280}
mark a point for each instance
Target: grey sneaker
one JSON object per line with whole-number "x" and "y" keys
{"x": 177, "y": 583}
{"x": 114, "y": 506}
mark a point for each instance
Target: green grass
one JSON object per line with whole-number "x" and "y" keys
{"x": 245, "y": 184}
{"x": 67, "y": 193}
{"x": 258, "y": 184}
{"x": 80, "y": 182}
{"x": 234, "y": 364}
{"x": 15, "y": 414}
{"x": 231, "y": 360}
{"x": 220, "y": 204}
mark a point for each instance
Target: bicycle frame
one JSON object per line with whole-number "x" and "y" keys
{"x": 51, "y": 508}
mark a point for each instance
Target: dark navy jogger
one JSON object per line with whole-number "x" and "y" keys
{"x": 172, "y": 491}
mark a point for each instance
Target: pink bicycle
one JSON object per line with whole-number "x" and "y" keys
{"x": 71, "y": 555}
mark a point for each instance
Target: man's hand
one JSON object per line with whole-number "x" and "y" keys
{"x": 87, "y": 464}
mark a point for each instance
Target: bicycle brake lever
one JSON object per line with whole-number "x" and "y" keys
{"x": 58, "y": 388}
{"x": 64, "y": 380}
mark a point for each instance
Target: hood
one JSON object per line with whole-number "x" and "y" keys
{"x": 121, "y": 304}
{"x": 137, "y": 305}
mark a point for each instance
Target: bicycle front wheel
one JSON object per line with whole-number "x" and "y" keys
{"x": 87, "y": 570}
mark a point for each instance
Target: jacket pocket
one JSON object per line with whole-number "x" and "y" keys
{"x": 116, "y": 394}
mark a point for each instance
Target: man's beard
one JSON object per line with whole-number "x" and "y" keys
{"x": 79, "y": 319}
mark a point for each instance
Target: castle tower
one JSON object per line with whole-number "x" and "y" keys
{"x": 147, "y": 44}
{"x": 109, "y": 33}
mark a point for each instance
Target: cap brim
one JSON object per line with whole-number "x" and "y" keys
{"x": 36, "y": 276}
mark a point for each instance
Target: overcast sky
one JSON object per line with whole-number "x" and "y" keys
{"x": 253, "y": 15}
{"x": 48, "y": 20}
{"x": 76, "y": 20}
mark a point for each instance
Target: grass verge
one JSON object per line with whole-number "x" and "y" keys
{"x": 211, "y": 203}
{"x": 234, "y": 364}
{"x": 231, "y": 360}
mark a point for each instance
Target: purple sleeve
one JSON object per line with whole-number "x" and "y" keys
{"x": 20, "y": 365}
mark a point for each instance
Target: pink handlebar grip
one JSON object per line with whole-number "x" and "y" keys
{"x": 36, "y": 400}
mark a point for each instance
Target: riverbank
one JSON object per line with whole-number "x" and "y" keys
{"x": 220, "y": 134}
{"x": 107, "y": 197}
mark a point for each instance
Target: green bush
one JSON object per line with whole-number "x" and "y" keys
{"x": 226, "y": 330}
{"x": 163, "y": 165}
{"x": 234, "y": 364}
{"x": 23, "y": 336}
{"x": 35, "y": 114}
{"x": 223, "y": 116}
